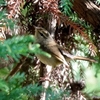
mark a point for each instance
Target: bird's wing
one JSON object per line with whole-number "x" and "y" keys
{"x": 54, "y": 50}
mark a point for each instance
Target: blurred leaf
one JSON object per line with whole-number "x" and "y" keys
{"x": 4, "y": 86}
{"x": 65, "y": 6}
{"x": 16, "y": 46}
{"x": 3, "y": 15}
{"x": 3, "y": 3}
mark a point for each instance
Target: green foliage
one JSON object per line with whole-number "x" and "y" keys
{"x": 88, "y": 71}
{"x": 15, "y": 46}
{"x": 19, "y": 45}
{"x": 13, "y": 89}
{"x": 53, "y": 93}
{"x": 97, "y": 69}
{"x": 2, "y": 14}
{"x": 98, "y": 1}
{"x": 92, "y": 82}
{"x": 4, "y": 21}
{"x": 82, "y": 45}
{"x": 2, "y": 3}
{"x": 65, "y": 6}
{"x": 4, "y": 72}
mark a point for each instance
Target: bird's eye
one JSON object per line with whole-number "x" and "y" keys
{"x": 43, "y": 35}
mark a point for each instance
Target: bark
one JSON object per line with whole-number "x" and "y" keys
{"x": 87, "y": 10}
{"x": 46, "y": 82}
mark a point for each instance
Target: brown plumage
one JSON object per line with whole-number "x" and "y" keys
{"x": 58, "y": 54}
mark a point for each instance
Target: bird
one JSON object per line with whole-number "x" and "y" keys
{"x": 59, "y": 55}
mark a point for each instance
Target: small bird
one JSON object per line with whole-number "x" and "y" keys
{"x": 58, "y": 54}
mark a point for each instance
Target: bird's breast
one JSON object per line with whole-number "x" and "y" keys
{"x": 52, "y": 61}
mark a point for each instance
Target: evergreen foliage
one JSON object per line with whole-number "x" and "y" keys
{"x": 13, "y": 89}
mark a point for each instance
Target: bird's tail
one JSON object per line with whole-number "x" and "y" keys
{"x": 84, "y": 58}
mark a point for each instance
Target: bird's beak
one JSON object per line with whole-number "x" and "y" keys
{"x": 36, "y": 28}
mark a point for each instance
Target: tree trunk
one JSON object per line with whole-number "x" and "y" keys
{"x": 87, "y": 10}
